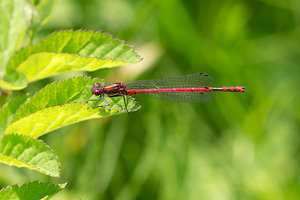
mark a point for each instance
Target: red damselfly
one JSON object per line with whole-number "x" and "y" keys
{"x": 193, "y": 88}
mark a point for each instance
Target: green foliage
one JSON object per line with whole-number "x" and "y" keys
{"x": 40, "y": 13}
{"x": 51, "y": 108}
{"x": 26, "y": 117}
{"x": 67, "y": 51}
{"x": 16, "y": 16}
{"x": 12, "y": 28}
{"x": 232, "y": 148}
{"x": 71, "y": 90}
{"x": 7, "y": 111}
{"x": 241, "y": 146}
{"x": 36, "y": 190}
{"x": 25, "y": 151}
{"x": 55, "y": 106}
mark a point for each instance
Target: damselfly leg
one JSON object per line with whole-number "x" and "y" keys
{"x": 100, "y": 96}
{"x": 121, "y": 95}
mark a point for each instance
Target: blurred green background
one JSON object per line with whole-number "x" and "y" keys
{"x": 240, "y": 146}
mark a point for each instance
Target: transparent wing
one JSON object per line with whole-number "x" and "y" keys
{"x": 189, "y": 97}
{"x": 185, "y": 81}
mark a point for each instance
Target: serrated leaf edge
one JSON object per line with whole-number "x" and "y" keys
{"x": 62, "y": 185}
{"x": 75, "y": 54}
{"x": 38, "y": 169}
{"x": 94, "y": 31}
{"x": 115, "y": 111}
{"x": 57, "y": 106}
{"x": 49, "y": 85}
{"x": 80, "y": 30}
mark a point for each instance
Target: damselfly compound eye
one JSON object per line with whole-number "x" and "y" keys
{"x": 96, "y": 92}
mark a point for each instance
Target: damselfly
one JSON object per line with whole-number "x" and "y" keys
{"x": 193, "y": 88}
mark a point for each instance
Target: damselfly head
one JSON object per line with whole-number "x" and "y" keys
{"x": 97, "y": 89}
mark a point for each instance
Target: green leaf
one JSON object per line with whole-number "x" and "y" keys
{"x": 49, "y": 119}
{"x": 67, "y": 51}
{"x": 53, "y": 107}
{"x": 71, "y": 90}
{"x": 57, "y": 93}
{"x": 16, "y": 81}
{"x": 18, "y": 14}
{"x": 7, "y": 111}
{"x": 12, "y": 29}
{"x": 30, "y": 191}
{"x": 77, "y": 89}
{"x": 24, "y": 151}
{"x": 45, "y": 64}
{"x": 41, "y": 13}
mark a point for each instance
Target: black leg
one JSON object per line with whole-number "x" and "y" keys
{"x": 118, "y": 95}
{"x": 99, "y": 100}
{"x": 125, "y": 103}
{"x": 121, "y": 95}
{"x": 103, "y": 105}
{"x": 106, "y": 101}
